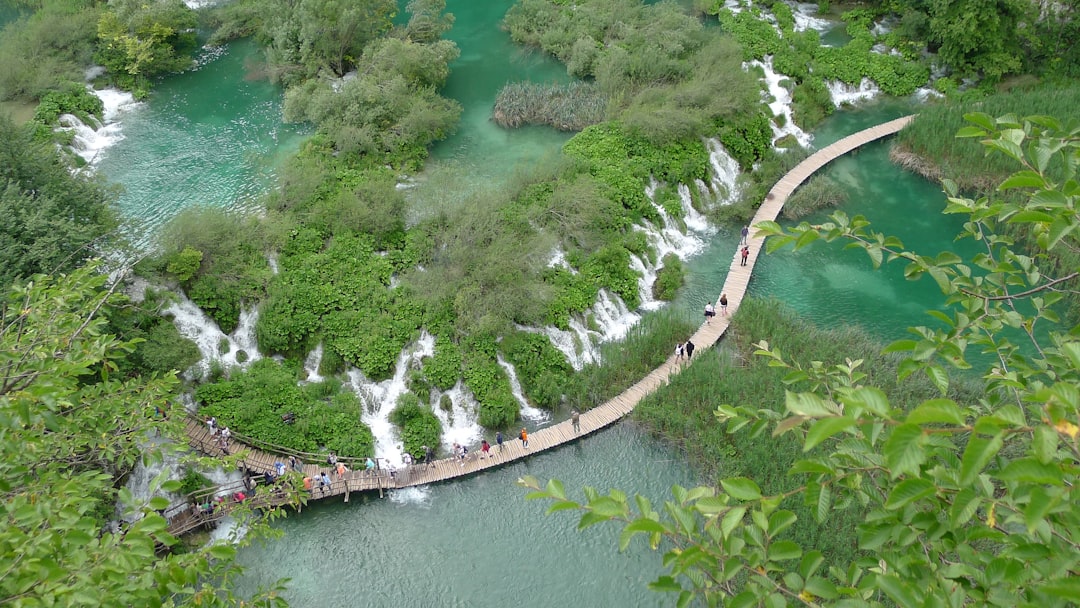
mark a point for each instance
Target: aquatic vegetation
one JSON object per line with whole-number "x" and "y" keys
{"x": 569, "y": 107}
{"x": 669, "y": 278}
{"x": 816, "y": 193}
{"x": 419, "y": 426}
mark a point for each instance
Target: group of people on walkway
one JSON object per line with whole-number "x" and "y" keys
{"x": 221, "y": 435}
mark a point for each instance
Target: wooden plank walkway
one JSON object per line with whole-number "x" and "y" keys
{"x": 735, "y": 286}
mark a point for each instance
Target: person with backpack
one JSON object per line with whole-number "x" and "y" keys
{"x": 485, "y": 449}
{"x": 745, "y": 254}
{"x": 524, "y": 435}
{"x": 689, "y": 349}
{"x": 499, "y": 440}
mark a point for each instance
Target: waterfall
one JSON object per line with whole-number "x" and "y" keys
{"x": 725, "y": 174}
{"x": 312, "y": 362}
{"x": 842, "y": 93}
{"x": 781, "y": 103}
{"x": 380, "y": 398}
{"x": 528, "y": 412}
{"x": 805, "y": 14}
{"x": 271, "y": 260}
{"x": 194, "y": 325}
{"x": 558, "y": 260}
{"x": 647, "y": 272}
{"x": 459, "y": 424}
{"x": 90, "y": 140}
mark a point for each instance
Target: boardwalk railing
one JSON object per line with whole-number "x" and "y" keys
{"x": 735, "y": 286}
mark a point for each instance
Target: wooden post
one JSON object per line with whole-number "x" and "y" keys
{"x": 346, "y": 482}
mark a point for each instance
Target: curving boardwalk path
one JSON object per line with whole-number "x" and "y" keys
{"x": 606, "y": 414}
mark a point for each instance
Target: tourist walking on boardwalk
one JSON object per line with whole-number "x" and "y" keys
{"x": 406, "y": 458}
{"x": 485, "y": 449}
{"x": 575, "y": 419}
{"x": 342, "y": 469}
{"x": 745, "y": 254}
{"x": 745, "y": 233}
{"x": 499, "y": 440}
{"x": 524, "y": 438}
{"x": 463, "y": 453}
{"x": 429, "y": 456}
{"x": 294, "y": 464}
{"x": 324, "y": 483}
{"x": 211, "y": 422}
{"x": 723, "y": 304}
{"x": 679, "y": 351}
{"x": 689, "y": 349}
{"x": 331, "y": 460}
{"x": 710, "y": 312}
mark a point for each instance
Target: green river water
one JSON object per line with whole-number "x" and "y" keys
{"x": 214, "y": 137}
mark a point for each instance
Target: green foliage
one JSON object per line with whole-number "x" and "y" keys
{"x": 138, "y": 40}
{"x": 817, "y": 193}
{"x": 252, "y": 403}
{"x": 960, "y": 488}
{"x": 541, "y": 369}
{"x": 53, "y": 220}
{"x": 418, "y": 424}
{"x": 666, "y": 78}
{"x": 159, "y": 347}
{"x": 74, "y": 99}
{"x": 47, "y": 50}
{"x": 193, "y": 481}
{"x": 811, "y": 102}
{"x": 232, "y": 269}
{"x": 391, "y": 111}
{"x": 69, "y": 439}
{"x": 569, "y": 107}
{"x": 488, "y": 382}
{"x": 341, "y": 294}
{"x": 444, "y": 367}
{"x": 748, "y": 138}
{"x": 669, "y": 278}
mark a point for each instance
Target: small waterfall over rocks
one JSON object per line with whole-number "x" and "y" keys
{"x": 91, "y": 140}
{"x": 459, "y": 424}
{"x": 312, "y": 362}
{"x": 528, "y": 412}
{"x": 725, "y": 177}
{"x": 579, "y": 344}
{"x": 380, "y": 398}
{"x": 194, "y": 325}
{"x": 780, "y": 103}
{"x": 843, "y": 93}
{"x": 805, "y": 14}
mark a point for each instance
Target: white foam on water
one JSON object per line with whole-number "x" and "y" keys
{"x": 312, "y": 362}
{"x": 780, "y": 103}
{"x": 91, "y": 140}
{"x": 415, "y": 495}
{"x": 805, "y": 14}
{"x": 923, "y": 94}
{"x": 380, "y": 398}
{"x": 194, "y": 325}
{"x": 843, "y": 93}
{"x": 647, "y": 276}
{"x": 459, "y": 425}
{"x": 527, "y": 410}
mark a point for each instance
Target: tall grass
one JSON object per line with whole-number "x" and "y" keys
{"x": 927, "y": 145}
{"x": 818, "y": 193}
{"x": 567, "y": 107}
{"x": 682, "y": 412}
{"x": 646, "y": 347}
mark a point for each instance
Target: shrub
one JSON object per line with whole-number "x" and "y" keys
{"x": 567, "y": 107}
{"x": 253, "y": 402}
{"x": 541, "y": 369}
{"x": 419, "y": 425}
{"x": 669, "y": 278}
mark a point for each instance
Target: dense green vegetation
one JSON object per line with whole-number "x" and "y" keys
{"x": 69, "y": 439}
{"x": 159, "y": 347}
{"x": 569, "y": 107}
{"x": 936, "y": 156}
{"x": 819, "y": 192}
{"x": 252, "y": 403}
{"x": 53, "y": 220}
{"x": 419, "y": 425}
{"x": 50, "y": 49}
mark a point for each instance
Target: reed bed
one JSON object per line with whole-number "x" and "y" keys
{"x": 928, "y": 147}
{"x": 567, "y": 107}
{"x": 818, "y": 193}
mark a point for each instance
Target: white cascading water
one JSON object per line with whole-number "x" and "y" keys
{"x": 725, "y": 179}
{"x": 528, "y": 412}
{"x": 558, "y": 260}
{"x": 780, "y": 103}
{"x": 194, "y": 325}
{"x": 90, "y": 140}
{"x": 805, "y": 14}
{"x": 843, "y": 93}
{"x": 312, "y": 362}
{"x": 459, "y": 424}
{"x": 380, "y": 398}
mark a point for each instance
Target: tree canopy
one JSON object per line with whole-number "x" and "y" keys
{"x": 968, "y": 502}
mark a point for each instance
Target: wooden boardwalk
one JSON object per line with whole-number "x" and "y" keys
{"x": 735, "y": 286}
